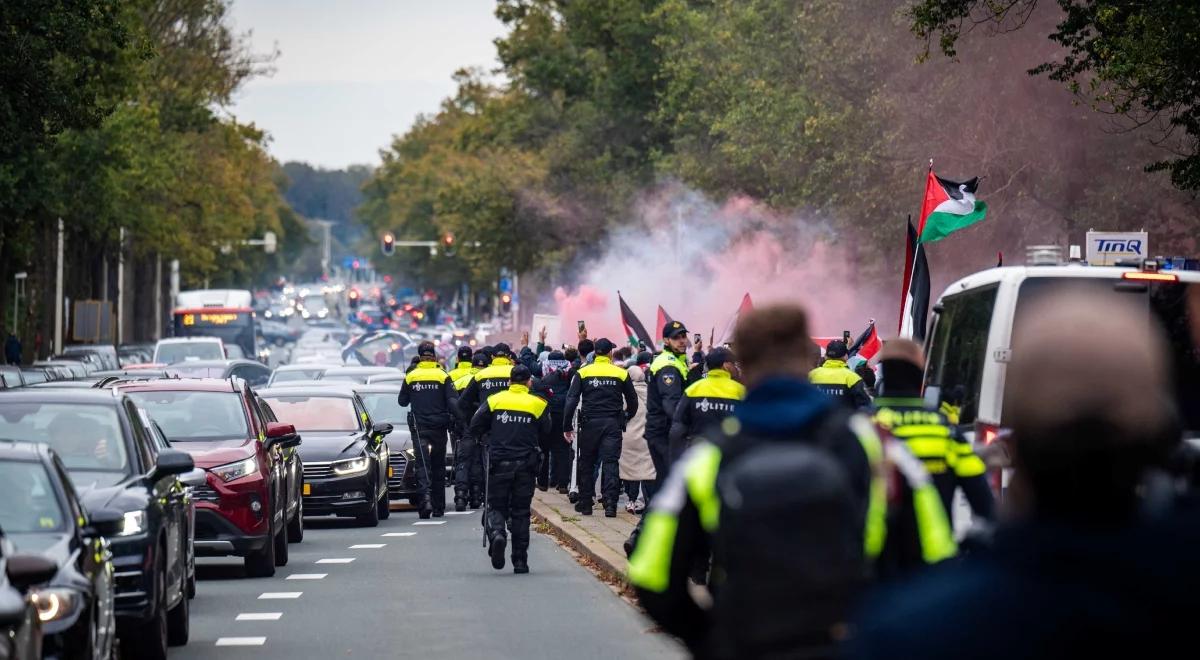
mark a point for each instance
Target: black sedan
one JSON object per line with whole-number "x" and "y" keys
{"x": 382, "y": 407}
{"x": 344, "y": 454}
{"x": 41, "y": 514}
{"x": 118, "y": 471}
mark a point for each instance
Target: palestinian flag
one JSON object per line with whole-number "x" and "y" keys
{"x": 914, "y": 297}
{"x": 948, "y": 207}
{"x": 742, "y": 309}
{"x": 634, "y": 329}
{"x": 663, "y": 319}
{"x": 867, "y": 344}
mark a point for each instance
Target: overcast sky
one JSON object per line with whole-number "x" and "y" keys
{"x": 353, "y": 73}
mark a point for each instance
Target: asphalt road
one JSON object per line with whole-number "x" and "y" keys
{"x": 413, "y": 590}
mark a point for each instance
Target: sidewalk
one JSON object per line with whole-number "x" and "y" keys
{"x": 597, "y": 538}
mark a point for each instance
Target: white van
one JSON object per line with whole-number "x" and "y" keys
{"x": 970, "y": 334}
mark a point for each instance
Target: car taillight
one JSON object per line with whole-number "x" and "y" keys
{"x": 985, "y": 435}
{"x": 1150, "y": 277}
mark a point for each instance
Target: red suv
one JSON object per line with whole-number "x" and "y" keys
{"x": 251, "y": 504}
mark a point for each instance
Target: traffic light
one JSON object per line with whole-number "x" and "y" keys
{"x": 448, "y": 244}
{"x": 506, "y": 302}
{"x": 388, "y": 244}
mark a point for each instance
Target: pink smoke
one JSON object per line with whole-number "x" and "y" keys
{"x": 698, "y": 258}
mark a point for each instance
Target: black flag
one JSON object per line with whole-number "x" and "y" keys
{"x": 916, "y": 300}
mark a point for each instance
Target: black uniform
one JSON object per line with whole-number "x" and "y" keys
{"x": 669, "y": 377}
{"x": 490, "y": 380}
{"x": 609, "y": 401}
{"x": 555, "y": 469}
{"x": 704, "y": 404}
{"x": 513, "y": 422}
{"x": 429, "y": 394}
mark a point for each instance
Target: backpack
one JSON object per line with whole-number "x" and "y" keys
{"x": 788, "y": 553}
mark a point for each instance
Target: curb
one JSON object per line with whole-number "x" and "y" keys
{"x": 609, "y": 563}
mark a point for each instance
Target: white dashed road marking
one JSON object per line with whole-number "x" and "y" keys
{"x": 241, "y": 641}
{"x": 279, "y": 595}
{"x": 336, "y": 560}
{"x": 430, "y": 522}
{"x": 367, "y": 546}
{"x": 395, "y": 534}
{"x": 259, "y": 616}
{"x": 307, "y": 576}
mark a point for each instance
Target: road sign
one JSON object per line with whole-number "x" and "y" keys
{"x": 505, "y": 285}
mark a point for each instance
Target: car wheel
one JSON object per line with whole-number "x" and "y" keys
{"x": 261, "y": 563}
{"x": 385, "y": 507}
{"x": 191, "y": 586}
{"x": 370, "y": 517}
{"x": 150, "y": 640}
{"x": 178, "y": 621}
{"x": 281, "y": 547}
{"x": 295, "y": 528}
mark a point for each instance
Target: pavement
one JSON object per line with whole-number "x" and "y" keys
{"x": 597, "y": 538}
{"x": 407, "y": 589}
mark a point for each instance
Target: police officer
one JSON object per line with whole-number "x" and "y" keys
{"x": 928, "y": 434}
{"x": 491, "y": 379}
{"x": 463, "y": 363}
{"x": 602, "y": 386}
{"x": 836, "y": 379}
{"x": 669, "y": 376}
{"x": 708, "y": 401}
{"x": 785, "y": 574}
{"x": 468, "y": 468}
{"x": 513, "y": 420}
{"x": 429, "y": 395}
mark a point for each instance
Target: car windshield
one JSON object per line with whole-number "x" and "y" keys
{"x": 28, "y": 503}
{"x": 193, "y": 371}
{"x": 87, "y": 437}
{"x": 382, "y": 407}
{"x": 191, "y": 350}
{"x": 296, "y": 374}
{"x": 190, "y": 416}
{"x": 315, "y": 413}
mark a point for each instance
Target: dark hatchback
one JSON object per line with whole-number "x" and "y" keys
{"x": 117, "y": 470}
{"x": 40, "y": 513}
{"x": 382, "y": 406}
{"x": 344, "y": 453}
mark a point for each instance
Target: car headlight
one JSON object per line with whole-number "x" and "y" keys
{"x": 231, "y": 471}
{"x": 54, "y": 603}
{"x": 350, "y": 466}
{"x": 134, "y": 523}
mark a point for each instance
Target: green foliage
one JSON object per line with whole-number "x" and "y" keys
{"x": 1136, "y": 59}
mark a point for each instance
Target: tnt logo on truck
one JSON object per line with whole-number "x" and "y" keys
{"x": 1106, "y": 248}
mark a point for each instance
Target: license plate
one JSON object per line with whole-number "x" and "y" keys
{"x": 308, "y": 489}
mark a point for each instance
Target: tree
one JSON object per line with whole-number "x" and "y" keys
{"x": 1139, "y": 60}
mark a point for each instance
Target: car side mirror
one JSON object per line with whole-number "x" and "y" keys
{"x": 25, "y": 571}
{"x": 171, "y": 461}
{"x": 381, "y": 429}
{"x": 195, "y": 478}
{"x": 104, "y": 522}
{"x": 282, "y": 434}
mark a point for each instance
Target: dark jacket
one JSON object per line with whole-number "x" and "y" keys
{"x": 1047, "y": 589}
{"x": 553, "y": 388}
{"x": 488, "y": 381}
{"x": 666, "y": 380}
{"x": 513, "y": 421}
{"x": 704, "y": 404}
{"x": 429, "y": 394}
{"x": 528, "y": 358}
{"x": 606, "y": 391}
{"x": 836, "y": 379}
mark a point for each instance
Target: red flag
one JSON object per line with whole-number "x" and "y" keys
{"x": 742, "y": 309}
{"x": 867, "y": 344}
{"x": 910, "y": 244}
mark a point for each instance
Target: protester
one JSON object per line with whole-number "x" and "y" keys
{"x": 636, "y": 468}
{"x": 1083, "y": 566}
{"x": 555, "y": 469}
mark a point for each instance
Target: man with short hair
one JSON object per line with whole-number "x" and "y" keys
{"x": 429, "y": 395}
{"x": 513, "y": 421}
{"x": 609, "y": 401}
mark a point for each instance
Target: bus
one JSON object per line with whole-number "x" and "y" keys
{"x": 223, "y": 313}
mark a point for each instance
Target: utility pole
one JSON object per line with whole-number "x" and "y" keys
{"x": 157, "y": 331}
{"x": 58, "y": 294}
{"x": 121, "y": 286}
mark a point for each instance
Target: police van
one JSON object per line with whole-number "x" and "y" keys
{"x": 971, "y": 330}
